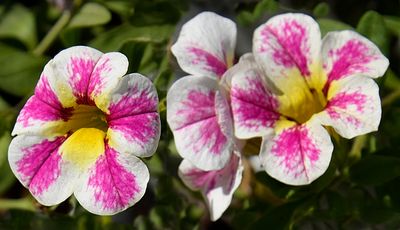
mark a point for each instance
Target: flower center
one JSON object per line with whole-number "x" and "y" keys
{"x": 303, "y": 104}
{"x": 87, "y": 116}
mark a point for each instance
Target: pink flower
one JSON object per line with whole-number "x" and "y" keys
{"x": 295, "y": 85}
{"x": 198, "y": 110}
{"x": 83, "y": 130}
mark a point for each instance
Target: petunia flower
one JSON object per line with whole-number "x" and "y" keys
{"x": 298, "y": 85}
{"x": 83, "y": 130}
{"x": 198, "y": 110}
{"x": 199, "y": 113}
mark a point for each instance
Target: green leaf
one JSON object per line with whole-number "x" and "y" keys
{"x": 327, "y": 25}
{"x": 247, "y": 17}
{"x": 373, "y": 27}
{"x": 22, "y": 70}
{"x": 277, "y": 218}
{"x": 114, "y": 39}
{"x": 321, "y": 10}
{"x": 91, "y": 14}
{"x": 155, "y": 13}
{"x": 123, "y": 8}
{"x": 19, "y": 23}
{"x": 384, "y": 168}
{"x": 7, "y": 177}
{"x": 392, "y": 24}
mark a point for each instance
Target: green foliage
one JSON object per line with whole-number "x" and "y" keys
{"x": 372, "y": 25}
{"x": 20, "y": 70}
{"x": 359, "y": 190}
{"x": 91, "y": 14}
{"x": 19, "y": 23}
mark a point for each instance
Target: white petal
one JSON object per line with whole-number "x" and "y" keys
{"x": 198, "y": 116}
{"x": 297, "y": 154}
{"x": 354, "y": 106}
{"x": 134, "y": 123}
{"x": 206, "y": 44}
{"x": 347, "y": 53}
{"x": 115, "y": 182}
{"x": 39, "y": 166}
{"x": 217, "y": 186}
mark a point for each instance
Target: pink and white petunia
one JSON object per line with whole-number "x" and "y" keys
{"x": 216, "y": 186}
{"x": 199, "y": 113}
{"x": 198, "y": 110}
{"x": 300, "y": 84}
{"x": 83, "y": 130}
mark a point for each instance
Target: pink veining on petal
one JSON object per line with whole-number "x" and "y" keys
{"x": 36, "y": 110}
{"x": 114, "y": 186}
{"x": 199, "y": 109}
{"x": 81, "y": 70}
{"x": 294, "y": 146}
{"x": 351, "y": 58}
{"x": 210, "y": 61}
{"x": 133, "y": 102}
{"x": 292, "y": 50}
{"x": 140, "y": 128}
{"x": 40, "y": 166}
{"x": 209, "y": 180}
{"x": 343, "y": 101}
{"x": 43, "y": 106}
{"x": 96, "y": 83}
{"x": 254, "y": 107}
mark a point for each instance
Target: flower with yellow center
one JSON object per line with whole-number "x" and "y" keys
{"x": 294, "y": 84}
{"x": 83, "y": 130}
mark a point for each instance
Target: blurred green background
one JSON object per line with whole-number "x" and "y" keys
{"x": 360, "y": 190}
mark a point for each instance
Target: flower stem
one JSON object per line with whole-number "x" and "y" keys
{"x": 22, "y": 204}
{"x": 53, "y": 33}
{"x": 358, "y": 145}
{"x": 389, "y": 99}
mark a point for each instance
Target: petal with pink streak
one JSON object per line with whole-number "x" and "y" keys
{"x": 198, "y": 116}
{"x": 217, "y": 186}
{"x": 297, "y": 154}
{"x": 254, "y": 106}
{"x": 106, "y": 75}
{"x": 287, "y": 47}
{"x": 353, "y": 108}
{"x": 43, "y": 113}
{"x": 206, "y": 44}
{"x": 133, "y": 120}
{"x": 115, "y": 182}
{"x": 347, "y": 53}
{"x": 69, "y": 74}
{"x": 39, "y": 166}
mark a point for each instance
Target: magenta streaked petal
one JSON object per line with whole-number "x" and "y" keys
{"x": 217, "y": 186}
{"x": 347, "y": 53}
{"x": 69, "y": 74}
{"x": 134, "y": 123}
{"x": 254, "y": 106}
{"x": 39, "y": 166}
{"x": 39, "y": 117}
{"x": 287, "y": 46}
{"x": 198, "y": 115}
{"x": 114, "y": 183}
{"x": 353, "y": 108}
{"x": 107, "y": 73}
{"x": 206, "y": 44}
{"x": 298, "y": 154}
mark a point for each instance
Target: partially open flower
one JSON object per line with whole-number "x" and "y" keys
{"x": 199, "y": 113}
{"x": 298, "y": 83}
{"x": 83, "y": 130}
